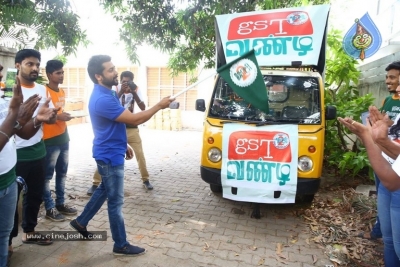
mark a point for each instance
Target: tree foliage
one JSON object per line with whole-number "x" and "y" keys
{"x": 184, "y": 29}
{"x": 42, "y": 23}
{"x": 343, "y": 151}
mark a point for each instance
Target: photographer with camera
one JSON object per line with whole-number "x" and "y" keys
{"x": 129, "y": 94}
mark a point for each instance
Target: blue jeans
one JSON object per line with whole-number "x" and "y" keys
{"x": 389, "y": 215}
{"x": 376, "y": 229}
{"x": 8, "y": 204}
{"x": 112, "y": 189}
{"x": 56, "y": 160}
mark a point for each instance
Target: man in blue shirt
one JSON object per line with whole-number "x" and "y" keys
{"x": 108, "y": 119}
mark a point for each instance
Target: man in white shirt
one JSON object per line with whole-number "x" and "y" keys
{"x": 15, "y": 120}
{"x": 31, "y": 152}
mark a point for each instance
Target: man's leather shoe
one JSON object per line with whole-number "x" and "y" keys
{"x": 91, "y": 189}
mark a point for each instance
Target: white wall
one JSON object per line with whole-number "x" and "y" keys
{"x": 7, "y": 58}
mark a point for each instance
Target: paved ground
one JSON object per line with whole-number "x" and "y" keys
{"x": 181, "y": 222}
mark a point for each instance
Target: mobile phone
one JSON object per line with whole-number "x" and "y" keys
{"x": 10, "y": 81}
{"x": 364, "y": 117}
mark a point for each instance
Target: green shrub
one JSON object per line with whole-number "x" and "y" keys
{"x": 343, "y": 151}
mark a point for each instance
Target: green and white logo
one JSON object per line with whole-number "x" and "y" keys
{"x": 243, "y": 73}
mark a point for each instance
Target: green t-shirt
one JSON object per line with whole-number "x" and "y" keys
{"x": 6, "y": 179}
{"x": 391, "y": 106}
{"x": 58, "y": 140}
{"x": 29, "y": 153}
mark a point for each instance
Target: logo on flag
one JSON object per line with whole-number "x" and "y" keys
{"x": 244, "y": 72}
{"x": 244, "y": 77}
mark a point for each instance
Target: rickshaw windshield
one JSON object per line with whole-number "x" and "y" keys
{"x": 291, "y": 99}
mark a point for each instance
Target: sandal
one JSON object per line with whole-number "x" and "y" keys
{"x": 38, "y": 239}
{"x": 368, "y": 236}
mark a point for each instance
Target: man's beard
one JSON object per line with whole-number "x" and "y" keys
{"x": 29, "y": 77}
{"x": 110, "y": 82}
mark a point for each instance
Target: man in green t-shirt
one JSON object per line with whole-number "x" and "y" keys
{"x": 15, "y": 120}
{"x": 391, "y": 106}
{"x": 31, "y": 152}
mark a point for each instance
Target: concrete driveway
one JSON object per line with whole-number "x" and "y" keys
{"x": 181, "y": 222}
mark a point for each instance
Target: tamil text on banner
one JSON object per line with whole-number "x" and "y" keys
{"x": 259, "y": 164}
{"x": 287, "y": 35}
{"x": 363, "y": 38}
{"x": 244, "y": 77}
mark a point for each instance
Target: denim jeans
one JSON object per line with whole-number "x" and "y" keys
{"x": 56, "y": 160}
{"x": 376, "y": 229}
{"x": 8, "y": 203}
{"x": 112, "y": 189}
{"x": 389, "y": 216}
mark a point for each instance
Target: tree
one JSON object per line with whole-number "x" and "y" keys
{"x": 184, "y": 30}
{"x": 343, "y": 151}
{"x": 40, "y": 23}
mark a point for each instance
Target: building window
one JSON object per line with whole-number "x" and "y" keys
{"x": 161, "y": 84}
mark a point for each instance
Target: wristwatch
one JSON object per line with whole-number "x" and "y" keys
{"x": 17, "y": 125}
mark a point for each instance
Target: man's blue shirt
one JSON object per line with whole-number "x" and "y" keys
{"x": 109, "y": 144}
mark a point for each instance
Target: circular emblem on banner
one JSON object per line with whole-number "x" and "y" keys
{"x": 297, "y": 18}
{"x": 244, "y": 72}
{"x": 281, "y": 140}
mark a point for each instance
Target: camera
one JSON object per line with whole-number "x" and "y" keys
{"x": 132, "y": 85}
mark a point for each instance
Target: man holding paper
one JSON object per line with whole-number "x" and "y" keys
{"x": 56, "y": 140}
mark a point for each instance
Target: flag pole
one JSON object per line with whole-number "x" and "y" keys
{"x": 193, "y": 85}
